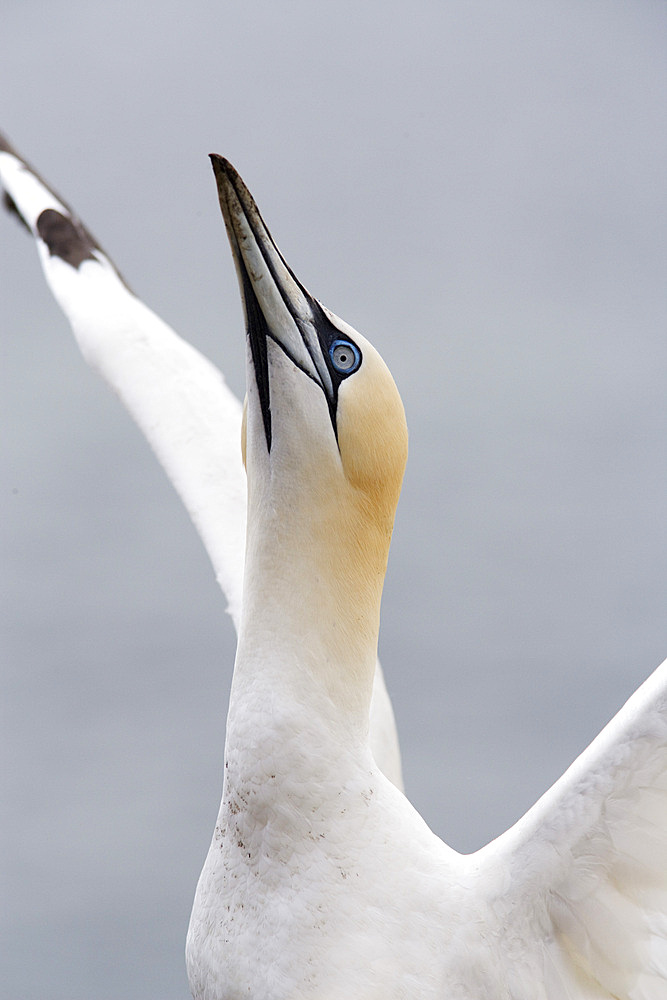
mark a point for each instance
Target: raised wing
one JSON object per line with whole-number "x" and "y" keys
{"x": 589, "y": 860}
{"x": 178, "y": 398}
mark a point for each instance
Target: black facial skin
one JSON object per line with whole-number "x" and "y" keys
{"x": 258, "y": 330}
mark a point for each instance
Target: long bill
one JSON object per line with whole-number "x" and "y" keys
{"x": 276, "y": 304}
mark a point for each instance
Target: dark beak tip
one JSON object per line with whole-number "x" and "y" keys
{"x": 221, "y": 166}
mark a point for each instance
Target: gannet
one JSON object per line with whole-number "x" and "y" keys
{"x": 178, "y": 398}
{"x": 321, "y": 879}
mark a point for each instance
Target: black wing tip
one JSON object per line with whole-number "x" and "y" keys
{"x": 10, "y": 205}
{"x": 66, "y": 237}
{"x": 8, "y": 202}
{"x": 6, "y": 146}
{"x": 63, "y": 233}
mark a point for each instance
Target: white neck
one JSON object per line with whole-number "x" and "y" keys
{"x": 310, "y": 621}
{"x": 317, "y": 544}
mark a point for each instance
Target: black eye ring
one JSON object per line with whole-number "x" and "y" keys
{"x": 345, "y": 357}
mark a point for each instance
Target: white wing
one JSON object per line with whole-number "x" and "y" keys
{"x": 588, "y": 863}
{"x": 178, "y": 398}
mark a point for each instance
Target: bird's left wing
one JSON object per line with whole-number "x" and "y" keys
{"x": 178, "y": 398}
{"x": 588, "y": 863}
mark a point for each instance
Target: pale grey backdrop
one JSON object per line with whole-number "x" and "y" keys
{"x": 479, "y": 188}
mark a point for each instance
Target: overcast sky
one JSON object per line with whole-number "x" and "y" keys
{"x": 478, "y": 187}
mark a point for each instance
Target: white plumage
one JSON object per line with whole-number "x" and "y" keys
{"x": 321, "y": 879}
{"x": 179, "y": 399}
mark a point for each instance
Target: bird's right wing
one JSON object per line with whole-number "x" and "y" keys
{"x": 587, "y": 865}
{"x": 178, "y": 398}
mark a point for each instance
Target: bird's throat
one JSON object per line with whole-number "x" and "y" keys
{"x": 311, "y": 609}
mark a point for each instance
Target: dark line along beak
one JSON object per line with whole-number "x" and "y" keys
{"x": 276, "y": 304}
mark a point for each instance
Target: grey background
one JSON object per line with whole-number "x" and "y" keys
{"x": 479, "y": 188}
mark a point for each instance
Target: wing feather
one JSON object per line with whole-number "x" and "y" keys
{"x": 591, "y": 855}
{"x": 178, "y": 398}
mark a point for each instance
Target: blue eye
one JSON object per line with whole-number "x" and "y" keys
{"x": 345, "y": 356}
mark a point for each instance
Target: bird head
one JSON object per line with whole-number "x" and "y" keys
{"x": 325, "y": 438}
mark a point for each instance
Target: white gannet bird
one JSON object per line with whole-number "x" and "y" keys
{"x": 321, "y": 880}
{"x": 178, "y": 398}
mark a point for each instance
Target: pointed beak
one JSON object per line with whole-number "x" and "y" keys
{"x": 276, "y": 305}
